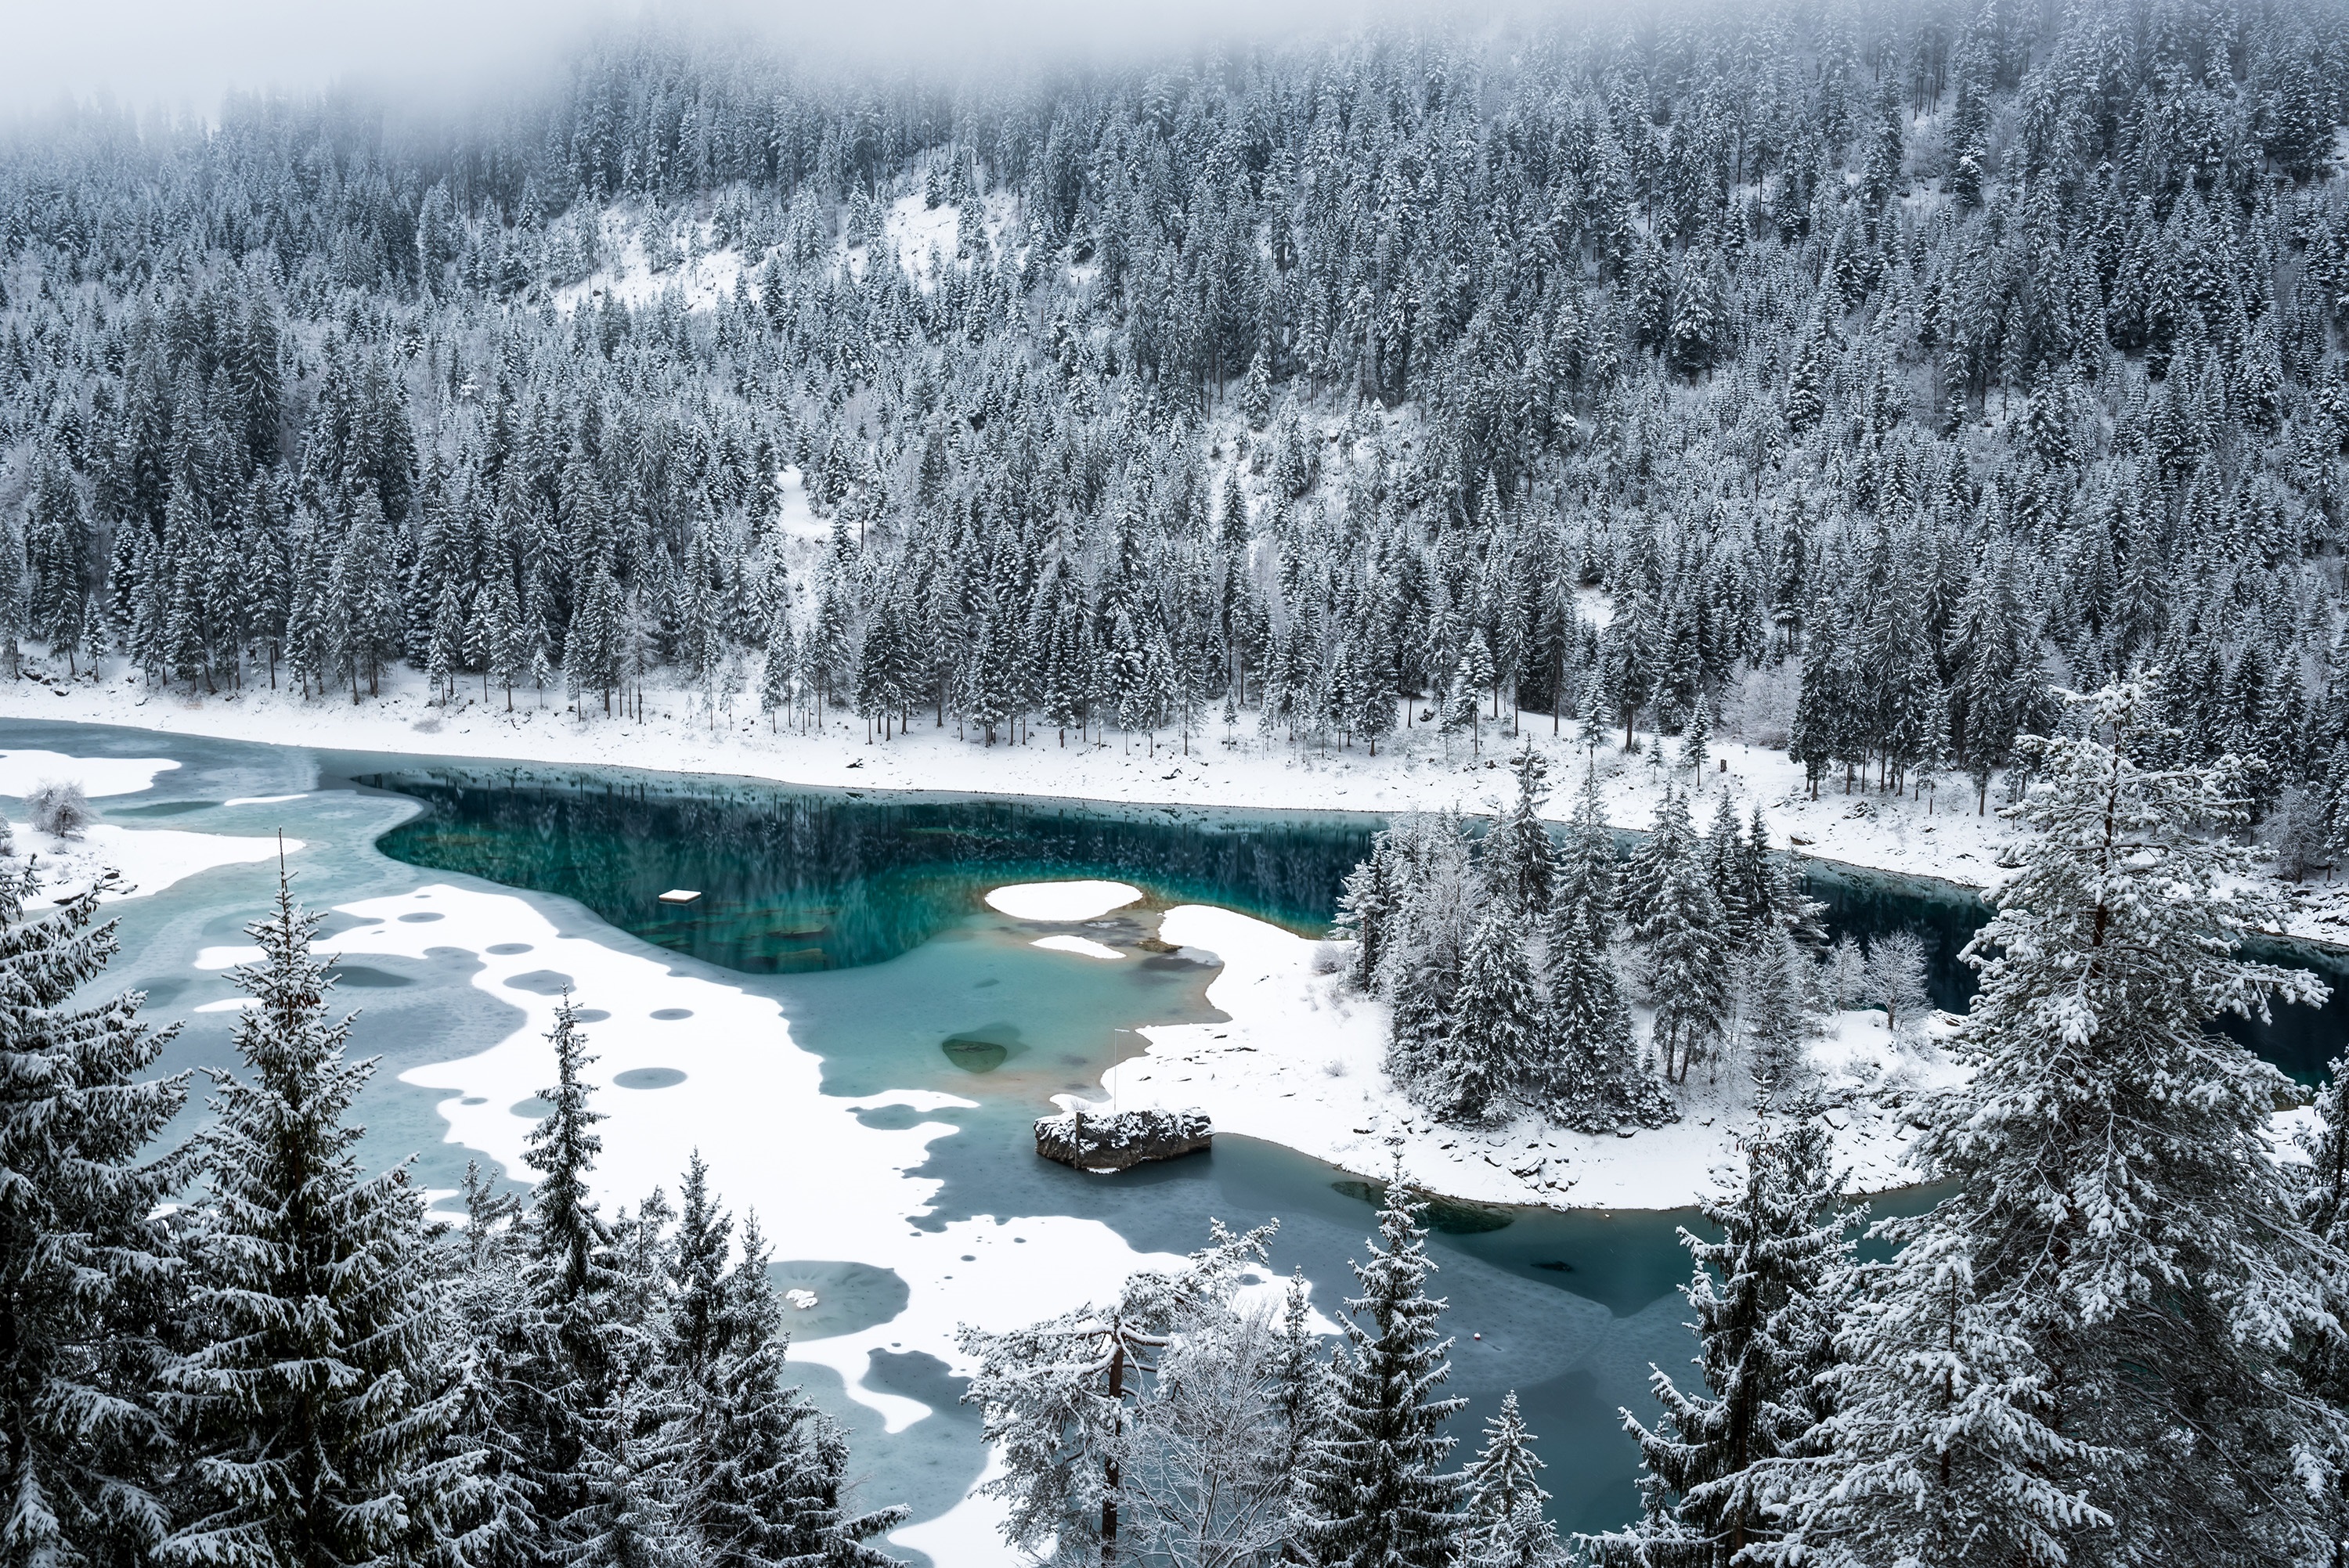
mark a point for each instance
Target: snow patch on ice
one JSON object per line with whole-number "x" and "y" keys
{"x": 264, "y": 799}
{"x": 1083, "y": 946}
{"x": 149, "y": 859}
{"x": 1061, "y": 901}
{"x": 22, "y": 772}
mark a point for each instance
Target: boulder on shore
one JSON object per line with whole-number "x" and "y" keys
{"x": 1095, "y": 1140}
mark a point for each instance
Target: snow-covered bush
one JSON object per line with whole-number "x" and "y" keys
{"x": 1894, "y": 979}
{"x": 1845, "y": 964}
{"x": 2294, "y": 831}
{"x": 59, "y": 807}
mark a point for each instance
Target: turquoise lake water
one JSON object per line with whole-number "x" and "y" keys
{"x": 860, "y": 915}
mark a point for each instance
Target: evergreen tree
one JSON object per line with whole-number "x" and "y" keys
{"x": 1375, "y": 1490}
{"x": 766, "y": 1477}
{"x": 2121, "y": 1259}
{"x": 87, "y": 1265}
{"x": 1765, "y": 1295}
{"x": 310, "y": 1408}
{"x": 1507, "y": 1526}
{"x": 1519, "y": 859}
{"x": 1596, "y": 1082}
{"x": 1493, "y": 1049}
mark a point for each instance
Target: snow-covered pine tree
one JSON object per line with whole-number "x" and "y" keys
{"x": 1493, "y": 1051}
{"x": 2321, "y": 1356}
{"x": 1297, "y": 1391}
{"x": 1696, "y": 742}
{"x": 87, "y": 1266}
{"x": 1686, "y": 963}
{"x": 1375, "y": 1492}
{"x": 1505, "y": 1525}
{"x": 1776, "y": 988}
{"x": 571, "y": 1269}
{"x": 1591, "y": 1060}
{"x": 309, "y": 1410}
{"x": 1589, "y": 869}
{"x": 1671, "y": 843}
{"x": 496, "y": 1354}
{"x": 637, "y": 1457}
{"x": 2122, "y": 1262}
{"x": 1520, "y": 860}
{"x": 767, "y": 1470}
{"x": 1765, "y": 1295}
{"x": 1367, "y": 906}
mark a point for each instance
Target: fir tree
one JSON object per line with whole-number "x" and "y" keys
{"x": 87, "y": 1266}
{"x": 1519, "y": 859}
{"x": 1375, "y": 1490}
{"x": 1765, "y": 1295}
{"x": 2122, "y": 1260}
{"x": 309, "y": 1410}
{"x": 1492, "y": 1050}
{"x": 1506, "y": 1526}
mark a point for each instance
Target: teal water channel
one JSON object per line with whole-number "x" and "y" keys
{"x": 861, "y": 914}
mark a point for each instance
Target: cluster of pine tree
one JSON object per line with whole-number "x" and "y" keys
{"x": 1180, "y": 1424}
{"x": 1499, "y": 957}
{"x": 298, "y": 1368}
{"x": 2118, "y": 1339}
{"x": 1849, "y": 368}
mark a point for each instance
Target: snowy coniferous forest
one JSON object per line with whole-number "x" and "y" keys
{"x": 1868, "y": 378}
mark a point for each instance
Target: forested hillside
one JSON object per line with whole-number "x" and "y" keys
{"x": 1856, "y": 369}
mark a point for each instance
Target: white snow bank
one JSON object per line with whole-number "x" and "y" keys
{"x": 1061, "y": 900}
{"x": 1422, "y": 769}
{"x": 264, "y": 799}
{"x": 149, "y": 859}
{"x": 1299, "y": 1064}
{"x": 21, "y": 772}
{"x": 1083, "y": 946}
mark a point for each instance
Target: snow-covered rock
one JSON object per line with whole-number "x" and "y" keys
{"x": 1118, "y": 1140}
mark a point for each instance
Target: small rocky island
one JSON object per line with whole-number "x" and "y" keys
{"x": 1092, "y": 1140}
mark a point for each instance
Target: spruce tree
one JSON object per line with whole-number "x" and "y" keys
{"x": 2121, "y": 1262}
{"x": 1765, "y": 1295}
{"x": 1686, "y": 960}
{"x": 1493, "y": 1049}
{"x": 1520, "y": 860}
{"x": 309, "y": 1409}
{"x": 499, "y": 1358}
{"x": 767, "y": 1469}
{"x": 570, "y": 1272}
{"x": 1506, "y": 1526}
{"x": 88, "y": 1267}
{"x": 1376, "y": 1493}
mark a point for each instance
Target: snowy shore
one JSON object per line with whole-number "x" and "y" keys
{"x": 1298, "y": 1063}
{"x": 1419, "y": 770}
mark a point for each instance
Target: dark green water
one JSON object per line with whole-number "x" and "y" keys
{"x": 797, "y": 881}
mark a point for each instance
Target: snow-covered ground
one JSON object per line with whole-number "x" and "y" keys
{"x": 1297, "y": 1064}
{"x": 148, "y": 859}
{"x": 1420, "y": 771}
{"x": 702, "y": 274}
